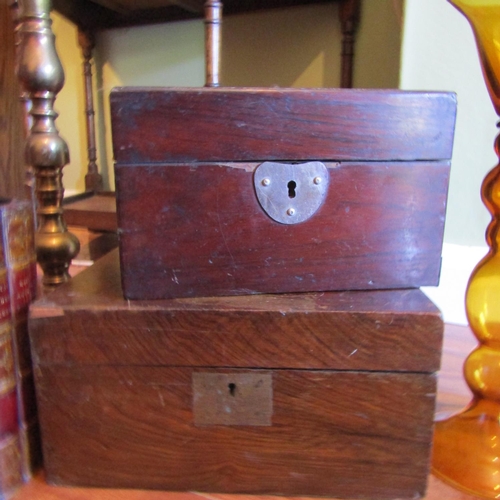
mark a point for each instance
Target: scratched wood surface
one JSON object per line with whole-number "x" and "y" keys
{"x": 188, "y": 216}
{"x": 380, "y": 226}
{"x": 234, "y": 124}
{"x": 388, "y": 330}
{"x": 332, "y": 433}
{"x": 452, "y": 396}
{"x": 352, "y": 374}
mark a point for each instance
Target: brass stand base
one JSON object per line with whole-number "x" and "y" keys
{"x": 467, "y": 450}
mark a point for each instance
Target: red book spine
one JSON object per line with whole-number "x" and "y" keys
{"x": 20, "y": 263}
{"x": 20, "y": 257}
{"x": 8, "y": 404}
{"x": 10, "y": 447}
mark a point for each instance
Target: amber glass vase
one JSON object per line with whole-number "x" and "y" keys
{"x": 467, "y": 446}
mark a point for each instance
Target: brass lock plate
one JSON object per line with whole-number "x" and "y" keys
{"x": 291, "y": 192}
{"x": 233, "y": 398}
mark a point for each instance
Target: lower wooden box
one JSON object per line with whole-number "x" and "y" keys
{"x": 318, "y": 394}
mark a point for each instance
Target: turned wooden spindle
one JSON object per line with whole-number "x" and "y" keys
{"x": 93, "y": 179}
{"x": 349, "y": 12}
{"x": 42, "y": 77}
{"x": 213, "y": 22}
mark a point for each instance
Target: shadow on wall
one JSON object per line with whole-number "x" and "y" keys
{"x": 299, "y": 48}
{"x": 378, "y": 44}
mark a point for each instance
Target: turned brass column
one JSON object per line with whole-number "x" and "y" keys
{"x": 42, "y": 77}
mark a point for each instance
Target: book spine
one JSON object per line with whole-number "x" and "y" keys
{"x": 20, "y": 261}
{"x": 11, "y": 476}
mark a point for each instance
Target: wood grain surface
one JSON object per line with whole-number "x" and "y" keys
{"x": 189, "y": 220}
{"x": 452, "y": 395}
{"x": 251, "y": 124}
{"x": 88, "y": 322}
{"x": 194, "y": 230}
{"x": 346, "y": 410}
{"x": 332, "y": 433}
{"x": 96, "y": 211}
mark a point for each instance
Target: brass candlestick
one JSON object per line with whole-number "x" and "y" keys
{"x": 467, "y": 445}
{"x": 42, "y": 77}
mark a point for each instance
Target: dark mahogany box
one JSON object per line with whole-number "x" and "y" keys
{"x": 326, "y": 394}
{"x": 242, "y": 191}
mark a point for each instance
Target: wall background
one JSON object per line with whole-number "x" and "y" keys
{"x": 439, "y": 52}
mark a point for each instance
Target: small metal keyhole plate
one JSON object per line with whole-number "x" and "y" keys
{"x": 291, "y": 193}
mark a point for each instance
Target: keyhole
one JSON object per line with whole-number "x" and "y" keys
{"x": 291, "y": 189}
{"x": 232, "y": 388}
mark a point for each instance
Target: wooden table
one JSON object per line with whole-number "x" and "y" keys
{"x": 452, "y": 395}
{"x": 37, "y": 489}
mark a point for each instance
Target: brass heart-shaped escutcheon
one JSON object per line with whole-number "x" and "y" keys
{"x": 291, "y": 192}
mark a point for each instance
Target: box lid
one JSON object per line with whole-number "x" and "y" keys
{"x": 87, "y": 322}
{"x": 158, "y": 125}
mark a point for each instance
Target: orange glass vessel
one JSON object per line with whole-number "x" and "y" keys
{"x": 467, "y": 446}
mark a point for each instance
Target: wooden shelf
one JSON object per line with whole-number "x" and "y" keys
{"x": 104, "y": 14}
{"x": 95, "y": 211}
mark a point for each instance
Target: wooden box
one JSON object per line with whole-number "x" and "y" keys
{"x": 303, "y": 394}
{"x": 198, "y": 213}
